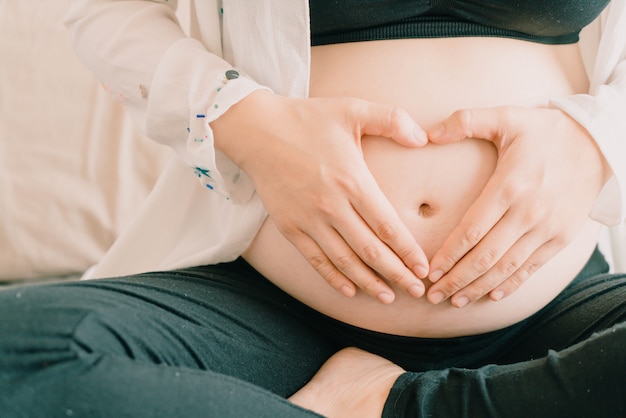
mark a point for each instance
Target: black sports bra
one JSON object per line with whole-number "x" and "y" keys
{"x": 543, "y": 21}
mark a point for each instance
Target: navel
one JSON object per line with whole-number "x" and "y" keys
{"x": 426, "y": 210}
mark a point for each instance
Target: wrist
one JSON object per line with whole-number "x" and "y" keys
{"x": 237, "y": 132}
{"x": 596, "y": 153}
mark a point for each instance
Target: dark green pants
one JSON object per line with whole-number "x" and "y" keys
{"x": 223, "y": 342}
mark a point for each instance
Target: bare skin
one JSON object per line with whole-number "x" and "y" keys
{"x": 352, "y": 383}
{"x": 433, "y": 187}
{"x": 355, "y": 383}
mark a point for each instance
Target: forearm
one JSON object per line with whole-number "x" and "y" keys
{"x": 237, "y": 132}
{"x": 601, "y": 112}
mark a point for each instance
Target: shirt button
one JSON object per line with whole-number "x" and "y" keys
{"x": 232, "y": 75}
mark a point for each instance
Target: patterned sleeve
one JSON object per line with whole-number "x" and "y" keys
{"x": 170, "y": 84}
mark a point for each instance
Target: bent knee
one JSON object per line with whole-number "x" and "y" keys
{"x": 40, "y": 327}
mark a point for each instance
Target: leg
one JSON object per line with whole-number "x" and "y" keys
{"x": 586, "y": 380}
{"x": 580, "y": 368}
{"x": 586, "y": 306}
{"x": 174, "y": 344}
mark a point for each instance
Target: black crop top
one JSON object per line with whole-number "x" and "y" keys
{"x": 543, "y": 21}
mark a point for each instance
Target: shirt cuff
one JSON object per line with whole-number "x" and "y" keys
{"x": 601, "y": 115}
{"x": 182, "y": 119}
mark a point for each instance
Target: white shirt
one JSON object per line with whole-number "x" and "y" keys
{"x": 175, "y": 83}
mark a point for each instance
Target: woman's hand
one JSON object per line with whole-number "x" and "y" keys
{"x": 304, "y": 158}
{"x": 549, "y": 173}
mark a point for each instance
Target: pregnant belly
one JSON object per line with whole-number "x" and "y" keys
{"x": 432, "y": 187}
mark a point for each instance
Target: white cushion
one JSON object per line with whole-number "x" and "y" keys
{"x": 73, "y": 169}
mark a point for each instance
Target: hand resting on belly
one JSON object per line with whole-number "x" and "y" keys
{"x": 432, "y": 187}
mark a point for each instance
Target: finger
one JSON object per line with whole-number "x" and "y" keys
{"x": 381, "y": 258}
{"x": 493, "y": 124}
{"x": 350, "y": 265}
{"x": 384, "y": 222}
{"x": 480, "y": 218}
{"x": 390, "y": 122}
{"x": 537, "y": 260}
{"x": 480, "y": 260}
{"x": 323, "y": 265}
{"x": 502, "y": 271}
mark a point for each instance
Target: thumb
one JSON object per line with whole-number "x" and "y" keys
{"x": 390, "y": 122}
{"x": 492, "y": 124}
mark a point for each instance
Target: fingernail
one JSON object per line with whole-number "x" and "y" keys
{"x": 420, "y": 271}
{"x": 435, "y": 275}
{"x": 461, "y": 301}
{"x": 385, "y": 297}
{"x": 347, "y": 291}
{"x": 416, "y": 290}
{"x": 419, "y": 135}
{"x": 436, "y": 297}
{"x": 497, "y": 295}
{"x": 436, "y": 132}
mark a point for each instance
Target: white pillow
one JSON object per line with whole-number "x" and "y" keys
{"x": 72, "y": 168}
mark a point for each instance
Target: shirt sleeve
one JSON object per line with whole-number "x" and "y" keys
{"x": 603, "y": 113}
{"x": 171, "y": 84}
